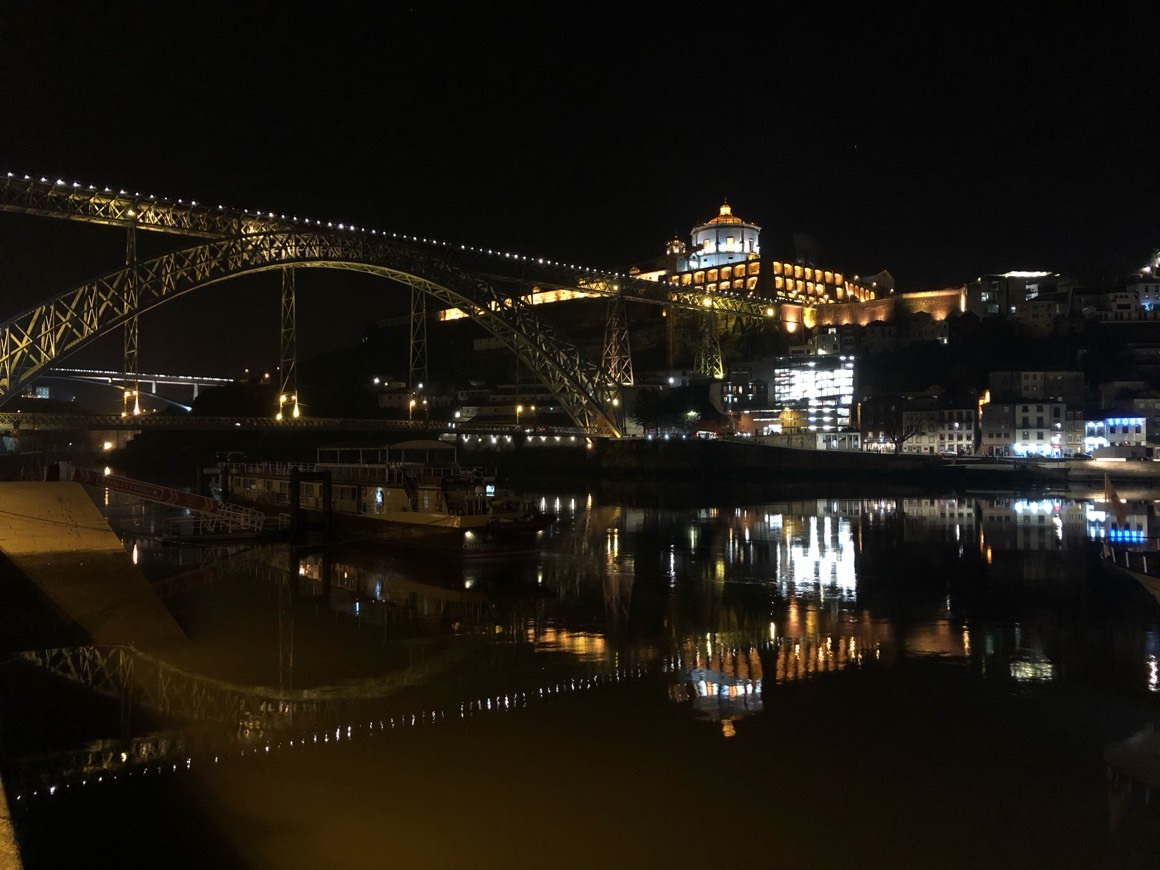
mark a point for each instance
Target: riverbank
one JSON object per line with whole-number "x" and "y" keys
{"x": 674, "y": 464}
{"x": 696, "y": 463}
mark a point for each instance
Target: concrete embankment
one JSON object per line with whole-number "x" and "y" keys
{"x": 57, "y": 538}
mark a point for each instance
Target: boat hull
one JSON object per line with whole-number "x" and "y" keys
{"x": 462, "y": 537}
{"x": 1135, "y": 564}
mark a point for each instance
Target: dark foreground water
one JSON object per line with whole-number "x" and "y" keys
{"x": 870, "y": 682}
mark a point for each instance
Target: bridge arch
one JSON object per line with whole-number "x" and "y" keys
{"x": 35, "y": 339}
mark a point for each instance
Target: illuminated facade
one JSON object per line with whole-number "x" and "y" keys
{"x": 795, "y": 395}
{"x": 725, "y": 257}
{"x": 1122, "y": 432}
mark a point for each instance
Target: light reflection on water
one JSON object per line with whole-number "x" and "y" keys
{"x": 733, "y": 611}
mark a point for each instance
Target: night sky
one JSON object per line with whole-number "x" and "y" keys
{"x": 937, "y": 141}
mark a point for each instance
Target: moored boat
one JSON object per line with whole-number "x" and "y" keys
{"x": 1125, "y": 552}
{"x": 411, "y": 495}
{"x": 1143, "y": 565}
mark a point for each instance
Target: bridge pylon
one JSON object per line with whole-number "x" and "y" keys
{"x": 617, "y": 353}
{"x": 288, "y": 387}
{"x": 131, "y": 400}
{"x": 418, "y": 352}
{"x": 708, "y": 360}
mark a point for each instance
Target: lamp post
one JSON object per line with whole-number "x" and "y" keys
{"x": 411, "y": 409}
{"x": 519, "y": 410}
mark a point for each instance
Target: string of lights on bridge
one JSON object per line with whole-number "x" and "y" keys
{"x": 269, "y": 215}
{"x": 347, "y": 733}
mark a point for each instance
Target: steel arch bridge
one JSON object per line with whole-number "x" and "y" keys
{"x": 231, "y": 243}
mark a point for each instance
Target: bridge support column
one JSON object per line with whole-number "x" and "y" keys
{"x": 708, "y": 360}
{"x": 131, "y": 403}
{"x": 418, "y": 371}
{"x": 288, "y": 388}
{"x": 617, "y": 354}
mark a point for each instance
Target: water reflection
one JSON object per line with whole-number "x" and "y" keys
{"x": 725, "y": 611}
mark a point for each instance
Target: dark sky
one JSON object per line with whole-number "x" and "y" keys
{"x": 935, "y": 140}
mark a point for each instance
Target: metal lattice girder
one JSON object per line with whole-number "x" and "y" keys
{"x": 58, "y": 198}
{"x": 131, "y": 355}
{"x": 418, "y": 367}
{"x": 548, "y": 276}
{"x": 288, "y": 344}
{"x": 617, "y": 353}
{"x": 708, "y": 360}
{"x": 35, "y": 339}
{"x": 72, "y": 201}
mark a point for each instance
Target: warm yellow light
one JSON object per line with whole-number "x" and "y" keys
{"x": 707, "y": 302}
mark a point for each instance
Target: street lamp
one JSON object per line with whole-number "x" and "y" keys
{"x": 283, "y": 400}
{"x": 519, "y": 410}
{"x": 411, "y": 409}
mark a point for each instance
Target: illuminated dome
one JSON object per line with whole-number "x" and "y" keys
{"x": 726, "y": 216}
{"x": 724, "y": 239}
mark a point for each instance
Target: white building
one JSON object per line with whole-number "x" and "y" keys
{"x": 723, "y": 240}
{"x": 949, "y": 431}
{"x": 1124, "y": 437}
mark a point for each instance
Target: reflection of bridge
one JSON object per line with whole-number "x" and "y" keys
{"x": 491, "y": 288}
{"x": 247, "y": 719}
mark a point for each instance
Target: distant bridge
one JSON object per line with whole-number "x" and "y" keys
{"x": 22, "y": 421}
{"x": 491, "y": 287}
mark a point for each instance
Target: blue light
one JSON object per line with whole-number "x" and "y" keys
{"x": 1127, "y": 536}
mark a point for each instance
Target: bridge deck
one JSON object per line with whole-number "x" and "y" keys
{"x": 58, "y": 539}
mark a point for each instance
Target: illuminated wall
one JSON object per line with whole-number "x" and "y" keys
{"x": 939, "y": 304}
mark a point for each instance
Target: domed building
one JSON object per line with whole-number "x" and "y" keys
{"x": 722, "y": 240}
{"x": 724, "y": 255}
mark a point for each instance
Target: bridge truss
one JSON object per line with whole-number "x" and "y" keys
{"x": 492, "y": 289}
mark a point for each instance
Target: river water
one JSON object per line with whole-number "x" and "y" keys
{"x": 828, "y": 682}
